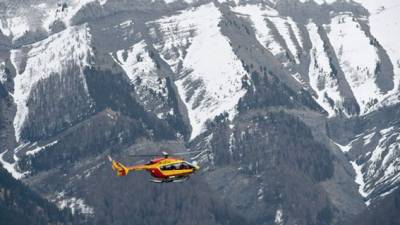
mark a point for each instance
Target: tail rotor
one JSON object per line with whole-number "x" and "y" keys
{"x": 118, "y": 167}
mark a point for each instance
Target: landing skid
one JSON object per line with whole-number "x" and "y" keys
{"x": 170, "y": 180}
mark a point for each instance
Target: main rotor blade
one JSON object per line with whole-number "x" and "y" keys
{"x": 145, "y": 155}
{"x": 189, "y": 153}
{"x": 168, "y": 154}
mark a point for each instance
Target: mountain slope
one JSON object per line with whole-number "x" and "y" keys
{"x": 57, "y": 61}
{"x": 20, "y": 205}
{"x": 382, "y": 212}
{"x": 209, "y": 86}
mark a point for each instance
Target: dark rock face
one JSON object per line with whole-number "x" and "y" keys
{"x": 111, "y": 91}
{"x": 50, "y": 114}
{"x": 383, "y": 212}
{"x": 19, "y": 205}
{"x": 374, "y": 149}
{"x": 104, "y": 131}
{"x": 269, "y": 162}
{"x": 188, "y": 203}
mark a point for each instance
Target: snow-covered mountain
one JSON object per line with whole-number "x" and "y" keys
{"x": 208, "y": 85}
{"x": 284, "y": 93}
{"x": 60, "y": 59}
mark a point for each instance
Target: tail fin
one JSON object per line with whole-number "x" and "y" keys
{"x": 118, "y": 167}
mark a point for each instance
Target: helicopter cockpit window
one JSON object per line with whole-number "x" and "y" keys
{"x": 177, "y": 166}
{"x": 185, "y": 166}
{"x": 190, "y": 166}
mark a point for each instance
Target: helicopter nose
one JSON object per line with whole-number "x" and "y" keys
{"x": 196, "y": 168}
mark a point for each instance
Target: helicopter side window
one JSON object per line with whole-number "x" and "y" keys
{"x": 187, "y": 166}
{"x": 170, "y": 167}
{"x": 177, "y": 166}
{"x": 167, "y": 167}
{"x": 184, "y": 166}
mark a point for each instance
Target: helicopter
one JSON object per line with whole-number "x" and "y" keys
{"x": 163, "y": 168}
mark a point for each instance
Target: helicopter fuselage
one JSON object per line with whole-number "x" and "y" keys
{"x": 163, "y": 169}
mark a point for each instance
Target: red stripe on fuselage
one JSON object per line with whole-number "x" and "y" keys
{"x": 155, "y": 172}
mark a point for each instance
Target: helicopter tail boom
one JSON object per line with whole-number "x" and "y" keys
{"x": 118, "y": 167}
{"x": 123, "y": 170}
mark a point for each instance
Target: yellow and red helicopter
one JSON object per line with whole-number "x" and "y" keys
{"x": 163, "y": 168}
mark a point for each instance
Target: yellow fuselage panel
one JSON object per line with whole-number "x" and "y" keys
{"x": 165, "y": 162}
{"x": 170, "y": 173}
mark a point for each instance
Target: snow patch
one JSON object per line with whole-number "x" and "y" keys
{"x": 386, "y": 130}
{"x": 209, "y": 73}
{"x": 3, "y": 75}
{"x": 381, "y": 167}
{"x": 385, "y": 156}
{"x": 357, "y": 57}
{"x": 87, "y": 173}
{"x": 384, "y": 24}
{"x": 231, "y": 143}
{"x": 64, "y": 12}
{"x": 264, "y": 35}
{"x": 258, "y": 14}
{"x": 260, "y": 194}
{"x": 279, "y": 217}
{"x": 322, "y": 80}
{"x": 319, "y": 2}
{"x": 4, "y": 28}
{"x": 142, "y": 72}
{"x": 126, "y": 24}
{"x": 388, "y": 192}
{"x": 344, "y": 148}
{"x": 368, "y": 138}
{"x": 16, "y": 26}
{"x": 40, "y": 148}
{"x": 296, "y": 30}
{"x": 46, "y": 58}
{"x": 12, "y": 168}
{"x": 171, "y": 1}
{"x": 284, "y": 27}
{"x": 137, "y": 64}
{"x": 359, "y": 179}
{"x": 77, "y": 205}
